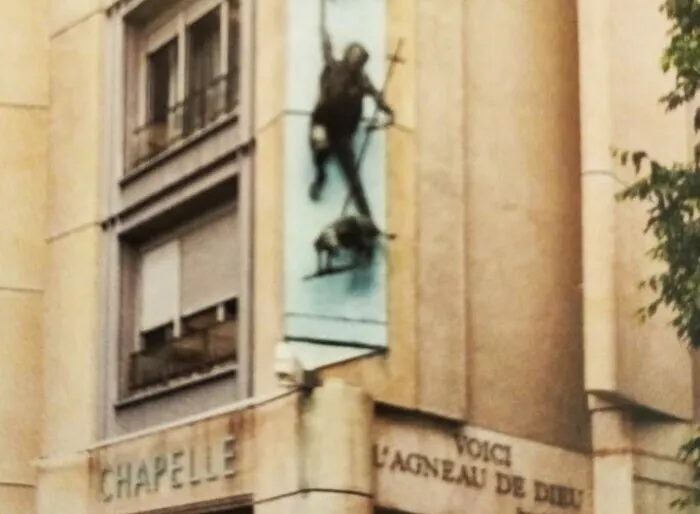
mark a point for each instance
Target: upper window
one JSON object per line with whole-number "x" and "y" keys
{"x": 189, "y": 76}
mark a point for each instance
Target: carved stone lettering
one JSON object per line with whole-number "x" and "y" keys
{"x": 179, "y": 468}
{"x": 477, "y": 460}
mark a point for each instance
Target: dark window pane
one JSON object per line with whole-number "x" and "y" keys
{"x": 162, "y": 81}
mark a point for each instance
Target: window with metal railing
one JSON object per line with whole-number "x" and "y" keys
{"x": 186, "y": 310}
{"x": 190, "y": 82}
{"x": 207, "y": 339}
{"x": 201, "y": 108}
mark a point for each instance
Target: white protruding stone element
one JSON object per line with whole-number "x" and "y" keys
{"x": 336, "y": 439}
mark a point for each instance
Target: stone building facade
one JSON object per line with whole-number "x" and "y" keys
{"x": 155, "y": 230}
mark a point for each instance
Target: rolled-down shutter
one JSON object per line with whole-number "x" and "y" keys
{"x": 160, "y": 269}
{"x": 210, "y": 264}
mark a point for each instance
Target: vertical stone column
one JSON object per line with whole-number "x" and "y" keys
{"x": 270, "y": 55}
{"x": 523, "y": 218}
{"x": 336, "y": 476}
{"x": 314, "y": 453}
{"x": 23, "y": 161}
{"x": 440, "y": 208}
{"x": 644, "y": 352}
{"x": 598, "y": 190}
{"x": 72, "y": 300}
{"x": 610, "y": 427}
{"x": 71, "y": 307}
{"x": 613, "y": 460}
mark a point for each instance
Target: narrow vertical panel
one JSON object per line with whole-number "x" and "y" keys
{"x": 267, "y": 268}
{"x": 645, "y": 352}
{"x": 523, "y": 220}
{"x": 265, "y": 188}
{"x": 441, "y": 244}
{"x": 160, "y": 286}
{"x": 348, "y": 307}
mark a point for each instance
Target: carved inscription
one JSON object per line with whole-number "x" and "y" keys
{"x": 174, "y": 470}
{"x": 481, "y": 465}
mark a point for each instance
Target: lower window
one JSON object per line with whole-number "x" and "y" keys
{"x": 185, "y": 303}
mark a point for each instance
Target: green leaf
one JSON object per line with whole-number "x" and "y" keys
{"x": 637, "y": 159}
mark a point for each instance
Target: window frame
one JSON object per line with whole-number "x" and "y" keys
{"x": 151, "y": 36}
{"x": 176, "y": 25}
{"x": 132, "y": 205}
{"x": 148, "y": 75}
{"x": 136, "y": 304}
{"x": 131, "y": 305}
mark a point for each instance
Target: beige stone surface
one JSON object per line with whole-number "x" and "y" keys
{"x": 18, "y": 499}
{"x": 419, "y": 468}
{"x": 401, "y": 90}
{"x": 637, "y": 362}
{"x": 285, "y": 505}
{"x": 24, "y": 40}
{"x": 322, "y": 502}
{"x": 71, "y": 336}
{"x": 23, "y": 159}
{"x": 652, "y": 497}
{"x": 611, "y": 430}
{"x": 612, "y": 484}
{"x": 654, "y": 370}
{"x": 401, "y": 385}
{"x": 658, "y": 477}
{"x": 267, "y": 265}
{"x": 336, "y": 439}
{"x": 64, "y": 487}
{"x": 76, "y": 128}
{"x": 441, "y": 209}
{"x": 316, "y": 502}
{"x": 198, "y": 466}
{"x": 523, "y": 213}
{"x": 270, "y": 65}
{"x": 598, "y": 287}
{"x": 277, "y": 436}
{"x": 598, "y": 186}
{"x": 660, "y": 438}
{"x": 65, "y": 14}
{"x": 20, "y": 386}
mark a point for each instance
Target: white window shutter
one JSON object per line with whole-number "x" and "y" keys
{"x": 210, "y": 264}
{"x": 160, "y": 285}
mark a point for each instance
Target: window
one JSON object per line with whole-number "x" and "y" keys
{"x": 178, "y": 290}
{"x": 205, "y": 101}
{"x": 186, "y": 308}
{"x": 188, "y": 81}
{"x": 162, "y": 95}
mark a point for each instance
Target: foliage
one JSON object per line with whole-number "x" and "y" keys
{"x": 690, "y": 454}
{"x": 683, "y": 51}
{"x": 673, "y": 195}
{"x": 672, "y": 192}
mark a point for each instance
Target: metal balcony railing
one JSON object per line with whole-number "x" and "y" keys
{"x": 196, "y": 352}
{"x": 199, "y": 109}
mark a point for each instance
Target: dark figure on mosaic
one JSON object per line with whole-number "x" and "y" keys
{"x": 356, "y": 233}
{"x": 338, "y": 112}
